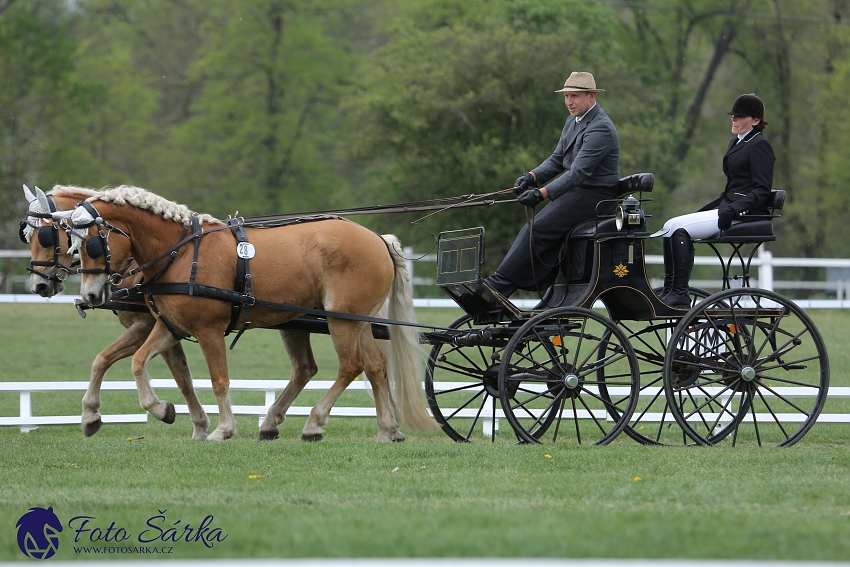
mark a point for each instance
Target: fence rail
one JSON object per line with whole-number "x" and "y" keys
{"x": 765, "y": 263}
{"x": 26, "y": 421}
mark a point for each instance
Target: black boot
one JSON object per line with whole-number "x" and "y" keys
{"x": 683, "y": 262}
{"x": 668, "y": 267}
{"x": 501, "y": 284}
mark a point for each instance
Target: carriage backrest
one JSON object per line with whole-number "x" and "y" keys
{"x": 776, "y": 200}
{"x": 635, "y": 183}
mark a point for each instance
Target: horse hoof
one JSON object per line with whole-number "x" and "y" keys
{"x": 398, "y": 439}
{"x": 268, "y": 436}
{"x": 170, "y": 413}
{"x": 90, "y": 429}
{"x": 312, "y": 437}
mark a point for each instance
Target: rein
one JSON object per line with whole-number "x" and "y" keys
{"x": 409, "y": 207}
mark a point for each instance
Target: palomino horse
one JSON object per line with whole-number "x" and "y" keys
{"x": 51, "y": 262}
{"x": 329, "y": 264}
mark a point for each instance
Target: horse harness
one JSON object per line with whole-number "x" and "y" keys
{"x": 48, "y": 237}
{"x": 240, "y": 297}
{"x": 242, "y": 281}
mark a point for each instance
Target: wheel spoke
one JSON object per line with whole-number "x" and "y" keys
{"x": 775, "y": 418}
{"x": 568, "y": 353}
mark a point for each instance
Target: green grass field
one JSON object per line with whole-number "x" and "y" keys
{"x": 349, "y": 496}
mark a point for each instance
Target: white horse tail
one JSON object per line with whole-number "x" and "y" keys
{"x": 405, "y": 365}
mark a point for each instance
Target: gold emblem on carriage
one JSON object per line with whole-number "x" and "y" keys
{"x": 620, "y": 270}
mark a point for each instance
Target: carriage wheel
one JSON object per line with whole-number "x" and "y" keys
{"x": 652, "y": 422}
{"x": 551, "y": 375}
{"x": 748, "y": 365}
{"x": 467, "y": 411}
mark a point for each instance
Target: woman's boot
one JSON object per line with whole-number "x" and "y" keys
{"x": 683, "y": 262}
{"x": 668, "y": 267}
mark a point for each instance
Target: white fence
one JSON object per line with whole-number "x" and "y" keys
{"x": 762, "y": 278}
{"x": 27, "y": 421}
{"x": 765, "y": 262}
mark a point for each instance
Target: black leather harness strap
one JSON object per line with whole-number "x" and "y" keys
{"x": 242, "y": 282}
{"x": 181, "y": 288}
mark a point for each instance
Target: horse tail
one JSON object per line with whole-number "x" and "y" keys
{"x": 405, "y": 364}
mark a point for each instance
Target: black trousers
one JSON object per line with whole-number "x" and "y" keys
{"x": 536, "y": 267}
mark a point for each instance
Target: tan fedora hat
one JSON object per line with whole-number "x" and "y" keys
{"x": 580, "y": 82}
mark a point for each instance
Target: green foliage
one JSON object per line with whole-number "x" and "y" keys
{"x": 276, "y": 106}
{"x": 36, "y": 58}
{"x": 262, "y": 127}
{"x": 464, "y": 107}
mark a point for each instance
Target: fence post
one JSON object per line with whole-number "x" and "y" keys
{"x": 766, "y": 269}
{"x": 26, "y": 411}
{"x": 408, "y": 260}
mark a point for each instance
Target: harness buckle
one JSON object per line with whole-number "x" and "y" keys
{"x": 251, "y": 303}
{"x": 115, "y": 278}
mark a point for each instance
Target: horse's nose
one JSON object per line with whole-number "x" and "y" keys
{"x": 42, "y": 289}
{"x": 93, "y": 298}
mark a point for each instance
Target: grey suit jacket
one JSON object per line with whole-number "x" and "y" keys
{"x": 588, "y": 153}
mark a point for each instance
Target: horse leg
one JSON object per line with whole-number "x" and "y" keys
{"x": 211, "y": 341}
{"x": 376, "y": 372}
{"x": 297, "y": 344}
{"x": 345, "y": 336}
{"x": 159, "y": 340}
{"x": 129, "y": 342}
{"x": 175, "y": 358}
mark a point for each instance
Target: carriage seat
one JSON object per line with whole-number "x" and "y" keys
{"x": 758, "y": 230}
{"x": 635, "y": 183}
{"x": 605, "y": 225}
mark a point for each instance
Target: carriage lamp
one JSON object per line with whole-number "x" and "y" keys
{"x": 629, "y": 214}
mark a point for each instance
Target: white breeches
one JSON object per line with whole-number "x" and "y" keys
{"x": 699, "y": 225}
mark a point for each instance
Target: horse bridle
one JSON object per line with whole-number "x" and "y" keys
{"x": 97, "y": 246}
{"x": 48, "y": 237}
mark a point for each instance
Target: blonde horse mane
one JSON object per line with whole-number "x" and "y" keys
{"x": 143, "y": 199}
{"x": 63, "y": 190}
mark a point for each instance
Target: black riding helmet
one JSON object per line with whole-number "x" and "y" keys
{"x": 748, "y": 105}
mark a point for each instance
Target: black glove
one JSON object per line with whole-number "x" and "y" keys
{"x": 724, "y": 218}
{"x": 523, "y": 182}
{"x": 531, "y": 198}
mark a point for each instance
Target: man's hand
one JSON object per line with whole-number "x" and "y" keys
{"x": 523, "y": 182}
{"x": 724, "y": 218}
{"x": 531, "y": 198}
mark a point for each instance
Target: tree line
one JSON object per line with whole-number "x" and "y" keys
{"x": 257, "y": 107}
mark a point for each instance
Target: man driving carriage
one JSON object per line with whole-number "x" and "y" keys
{"x": 588, "y": 158}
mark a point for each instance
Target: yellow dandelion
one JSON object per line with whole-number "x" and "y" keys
{"x": 255, "y": 476}
{"x": 548, "y": 456}
{"x": 636, "y": 479}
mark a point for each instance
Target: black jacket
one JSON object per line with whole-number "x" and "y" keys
{"x": 748, "y": 167}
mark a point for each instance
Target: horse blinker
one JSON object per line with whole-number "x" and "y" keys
{"x": 95, "y": 248}
{"x": 47, "y": 237}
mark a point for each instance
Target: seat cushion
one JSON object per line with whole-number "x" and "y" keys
{"x": 747, "y": 231}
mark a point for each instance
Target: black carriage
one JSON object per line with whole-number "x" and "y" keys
{"x": 744, "y": 365}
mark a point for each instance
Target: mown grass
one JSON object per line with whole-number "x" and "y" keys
{"x": 428, "y": 497}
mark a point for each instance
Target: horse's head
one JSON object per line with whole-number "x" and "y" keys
{"x": 51, "y": 259}
{"x": 102, "y": 246}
